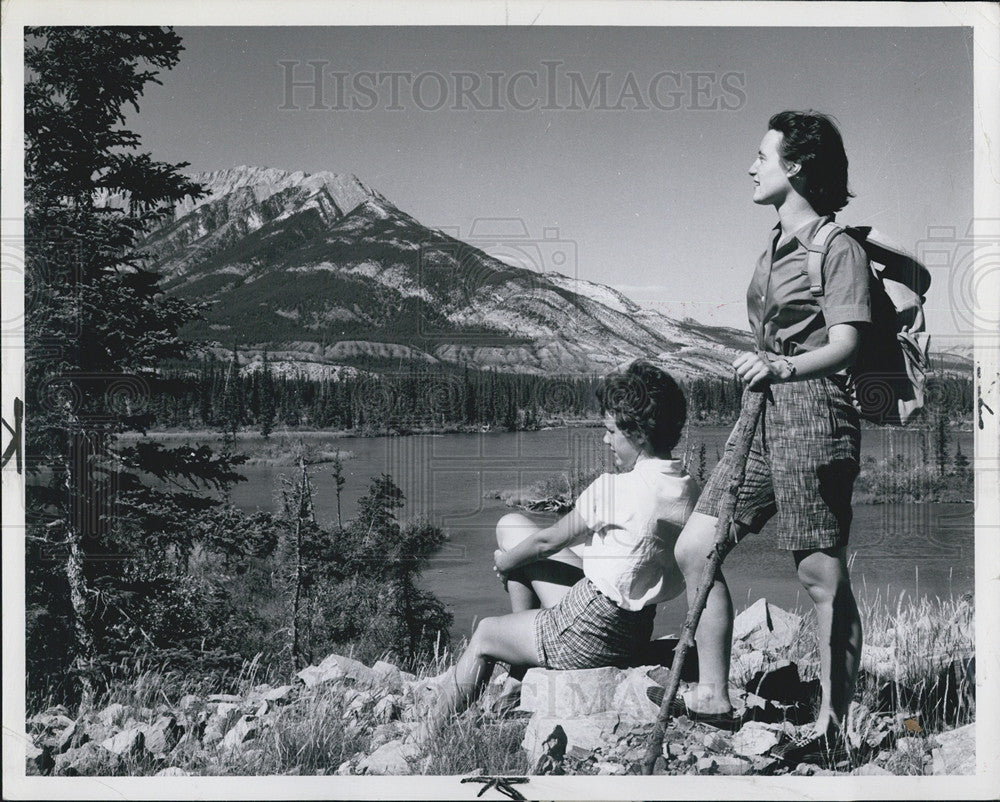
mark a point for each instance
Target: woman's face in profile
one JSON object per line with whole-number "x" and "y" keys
{"x": 624, "y": 450}
{"x": 770, "y": 177}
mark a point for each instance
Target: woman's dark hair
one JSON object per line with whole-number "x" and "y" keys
{"x": 812, "y": 140}
{"x": 647, "y": 405}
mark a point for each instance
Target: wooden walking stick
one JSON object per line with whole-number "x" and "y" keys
{"x": 721, "y": 547}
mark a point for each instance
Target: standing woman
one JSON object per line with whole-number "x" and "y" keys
{"x": 805, "y": 453}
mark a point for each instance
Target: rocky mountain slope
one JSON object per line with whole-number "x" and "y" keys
{"x": 325, "y": 270}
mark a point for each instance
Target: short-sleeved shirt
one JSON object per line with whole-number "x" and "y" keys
{"x": 785, "y": 317}
{"x": 635, "y": 518}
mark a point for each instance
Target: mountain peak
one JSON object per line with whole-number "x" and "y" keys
{"x": 345, "y": 189}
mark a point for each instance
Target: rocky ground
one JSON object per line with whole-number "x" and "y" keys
{"x": 594, "y": 721}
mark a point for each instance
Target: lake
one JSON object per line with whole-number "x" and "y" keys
{"x": 924, "y": 549}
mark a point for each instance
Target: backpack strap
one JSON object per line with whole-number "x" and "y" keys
{"x": 817, "y": 253}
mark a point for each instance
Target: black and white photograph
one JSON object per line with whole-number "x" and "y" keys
{"x": 502, "y": 400}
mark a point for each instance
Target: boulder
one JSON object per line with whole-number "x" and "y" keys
{"x": 279, "y": 695}
{"x": 387, "y": 708}
{"x": 125, "y": 743}
{"x": 764, "y": 626}
{"x": 388, "y": 675}
{"x": 191, "y": 704}
{"x": 390, "y": 758}
{"x": 338, "y": 668}
{"x": 162, "y": 735}
{"x": 111, "y": 714}
{"x": 586, "y": 732}
{"x": 605, "y": 767}
{"x": 956, "y": 751}
{"x": 569, "y": 694}
{"x": 224, "y": 717}
{"x": 630, "y": 699}
{"x": 242, "y": 731}
{"x": 754, "y": 738}
{"x": 731, "y": 765}
{"x": 87, "y": 760}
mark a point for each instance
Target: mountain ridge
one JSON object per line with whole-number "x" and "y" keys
{"x": 317, "y": 264}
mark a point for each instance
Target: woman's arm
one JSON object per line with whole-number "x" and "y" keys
{"x": 757, "y": 370}
{"x": 539, "y": 545}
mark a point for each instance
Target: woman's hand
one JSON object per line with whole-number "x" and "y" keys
{"x": 758, "y": 372}
{"x": 499, "y": 566}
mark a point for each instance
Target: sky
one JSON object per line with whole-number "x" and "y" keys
{"x": 646, "y": 189}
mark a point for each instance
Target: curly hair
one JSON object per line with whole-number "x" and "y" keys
{"x": 812, "y": 140}
{"x": 647, "y": 405}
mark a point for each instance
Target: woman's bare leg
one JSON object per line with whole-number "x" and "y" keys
{"x": 823, "y": 573}
{"x": 715, "y": 628}
{"x": 509, "y": 638}
{"x": 540, "y": 584}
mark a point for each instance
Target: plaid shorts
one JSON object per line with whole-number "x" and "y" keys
{"x": 588, "y": 630}
{"x": 802, "y": 465}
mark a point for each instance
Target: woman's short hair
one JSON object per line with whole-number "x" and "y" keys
{"x": 647, "y": 405}
{"x": 812, "y": 140}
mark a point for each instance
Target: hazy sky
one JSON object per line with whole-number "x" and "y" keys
{"x": 654, "y": 201}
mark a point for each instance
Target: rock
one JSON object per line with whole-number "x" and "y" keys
{"x": 112, "y": 714}
{"x": 388, "y": 675}
{"x": 731, "y": 765}
{"x": 345, "y": 769}
{"x": 41, "y": 722}
{"x": 753, "y": 739}
{"x": 125, "y": 743}
{"x": 191, "y": 703}
{"x": 224, "y": 717}
{"x": 242, "y": 731}
{"x": 39, "y": 759}
{"x": 717, "y": 741}
{"x": 865, "y": 731}
{"x": 172, "y": 771}
{"x": 779, "y": 682}
{"x": 84, "y": 761}
{"x": 956, "y": 751}
{"x": 569, "y": 694}
{"x": 337, "y": 668}
{"x": 387, "y": 708}
{"x": 279, "y": 695}
{"x": 764, "y": 626}
{"x": 162, "y": 735}
{"x": 764, "y": 764}
{"x": 358, "y": 704}
{"x": 675, "y": 749}
{"x": 586, "y": 732}
{"x": 609, "y": 768}
{"x": 390, "y": 758}
{"x": 73, "y": 736}
{"x": 630, "y": 699}
{"x": 706, "y": 765}
{"x": 870, "y": 770}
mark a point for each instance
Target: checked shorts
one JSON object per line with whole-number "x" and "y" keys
{"x": 802, "y": 466}
{"x": 588, "y": 630}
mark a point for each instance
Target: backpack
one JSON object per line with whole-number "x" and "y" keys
{"x": 890, "y": 373}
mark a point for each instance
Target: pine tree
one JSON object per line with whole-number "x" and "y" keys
{"x": 94, "y": 341}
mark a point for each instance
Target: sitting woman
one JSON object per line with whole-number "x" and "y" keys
{"x": 615, "y": 550}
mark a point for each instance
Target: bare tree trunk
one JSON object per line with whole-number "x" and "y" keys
{"x": 83, "y": 647}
